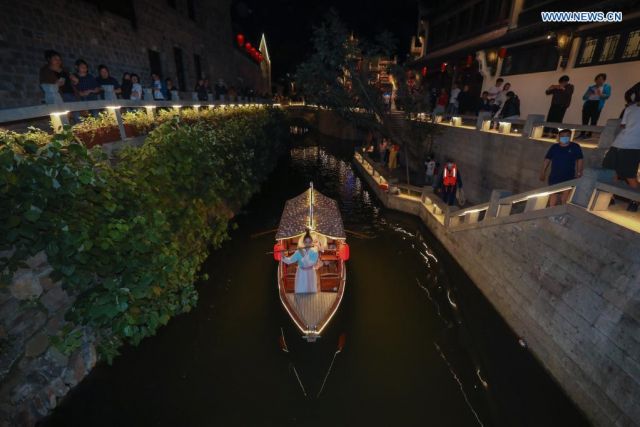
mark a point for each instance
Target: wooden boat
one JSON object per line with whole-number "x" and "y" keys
{"x": 312, "y": 312}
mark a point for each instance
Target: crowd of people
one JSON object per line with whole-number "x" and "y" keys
{"x": 502, "y": 102}
{"x": 563, "y": 160}
{"x": 81, "y": 85}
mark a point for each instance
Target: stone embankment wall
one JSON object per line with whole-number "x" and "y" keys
{"x": 38, "y": 367}
{"x": 566, "y": 281}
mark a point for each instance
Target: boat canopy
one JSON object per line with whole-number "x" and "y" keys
{"x": 311, "y": 210}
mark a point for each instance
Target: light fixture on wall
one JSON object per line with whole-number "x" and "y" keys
{"x": 492, "y": 60}
{"x": 563, "y": 43}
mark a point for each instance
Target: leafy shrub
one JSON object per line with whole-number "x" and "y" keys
{"x": 129, "y": 239}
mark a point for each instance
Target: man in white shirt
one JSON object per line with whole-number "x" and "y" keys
{"x": 452, "y": 108}
{"x": 495, "y": 90}
{"x": 624, "y": 153}
{"x": 430, "y": 169}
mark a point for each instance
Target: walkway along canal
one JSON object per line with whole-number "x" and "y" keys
{"x": 423, "y": 345}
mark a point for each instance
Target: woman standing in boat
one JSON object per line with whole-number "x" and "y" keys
{"x": 307, "y": 258}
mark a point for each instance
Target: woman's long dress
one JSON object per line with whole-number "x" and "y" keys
{"x": 306, "y": 279}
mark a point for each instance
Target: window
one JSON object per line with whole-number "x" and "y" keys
{"x": 632, "y": 48}
{"x": 177, "y": 53}
{"x": 198, "y": 66}
{"x": 191, "y": 9}
{"x": 530, "y": 59}
{"x": 155, "y": 65}
{"x": 588, "y": 50}
{"x": 609, "y": 48}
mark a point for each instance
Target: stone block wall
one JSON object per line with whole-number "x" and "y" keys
{"x": 79, "y": 29}
{"x": 38, "y": 367}
{"x": 568, "y": 283}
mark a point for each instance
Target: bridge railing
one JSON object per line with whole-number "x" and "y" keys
{"x": 58, "y": 112}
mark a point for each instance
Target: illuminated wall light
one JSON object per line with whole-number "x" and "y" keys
{"x": 505, "y": 127}
{"x": 60, "y": 113}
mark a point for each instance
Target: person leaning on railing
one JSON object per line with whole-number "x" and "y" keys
{"x": 594, "y": 98}
{"x": 566, "y": 161}
{"x": 104, "y": 79}
{"x": 54, "y": 73}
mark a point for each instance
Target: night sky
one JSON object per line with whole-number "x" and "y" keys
{"x": 288, "y": 24}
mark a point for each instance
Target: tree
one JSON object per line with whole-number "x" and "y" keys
{"x": 336, "y": 75}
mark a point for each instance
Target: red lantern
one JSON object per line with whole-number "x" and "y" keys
{"x": 247, "y": 46}
{"x": 502, "y": 52}
{"x": 469, "y": 60}
{"x": 240, "y": 39}
{"x": 343, "y": 252}
{"x": 443, "y": 67}
{"x": 278, "y": 249}
{"x": 424, "y": 71}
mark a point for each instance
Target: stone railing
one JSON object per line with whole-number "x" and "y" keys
{"x": 532, "y": 126}
{"x": 58, "y": 112}
{"x": 592, "y": 192}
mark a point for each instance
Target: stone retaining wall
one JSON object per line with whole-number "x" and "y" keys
{"x": 35, "y": 369}
{"x": 569, "y": 284}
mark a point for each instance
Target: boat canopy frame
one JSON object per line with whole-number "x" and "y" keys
{"x": 314, "y": 211}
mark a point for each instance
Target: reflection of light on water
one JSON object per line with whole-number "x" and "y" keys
{"x": 455, "y": 377}
{"x": 435, "y": 303}
{"x": 482, "y": 381}
{"x": 403, "y": 231}
{"x": 428, "y": 252}
{"x": 451, "y": 302}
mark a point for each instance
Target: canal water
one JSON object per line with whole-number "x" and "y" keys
{"x": 423, "y": 346}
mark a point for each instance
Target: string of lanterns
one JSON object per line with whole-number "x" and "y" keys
{"x": 248, "y": 48}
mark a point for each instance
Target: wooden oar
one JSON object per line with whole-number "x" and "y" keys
{"x": 262, "y": 233}
{"x": 283, "y": 346}
{"x": 341, "y": 341}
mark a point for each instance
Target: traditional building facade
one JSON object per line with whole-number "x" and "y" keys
{"x": 477, "y": 41}
{"x": 182, "y": 39}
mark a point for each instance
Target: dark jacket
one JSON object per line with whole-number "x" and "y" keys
{"x": 511, "y": 107}
{"x": 560, "y": 96}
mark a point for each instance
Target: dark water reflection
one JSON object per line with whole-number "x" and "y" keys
{"x": 423, "y": 347}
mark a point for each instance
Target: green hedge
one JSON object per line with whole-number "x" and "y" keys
{"x": 129, "y": 239}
